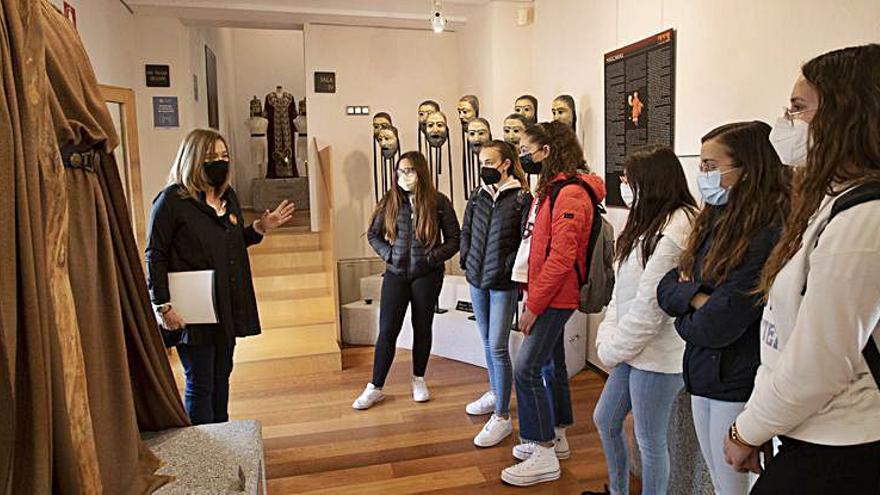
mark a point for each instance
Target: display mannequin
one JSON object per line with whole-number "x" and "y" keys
{"x": 381, "y": 120}
{"x": 280, "y": 109}
{"x": 514, "y": 127}
{"x": 527, "y": 106}
{"x": 301, "y": 122}
{"x": 478, "y": 134}
{"x": 425, "y": 108}
{"x": 437, "y": 133}
{"x": 257, "y": 125}
{"x": 563, "y": 110}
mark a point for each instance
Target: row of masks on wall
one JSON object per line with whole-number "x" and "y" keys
{"x": 433, "y": 138}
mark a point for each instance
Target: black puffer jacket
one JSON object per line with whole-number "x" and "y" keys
{"x": 407, "y": 257}
{"x": 491, "y": 234}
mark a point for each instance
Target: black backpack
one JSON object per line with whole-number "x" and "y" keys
{"x": 869, "y": 191}
{"x": 597, "y": 285}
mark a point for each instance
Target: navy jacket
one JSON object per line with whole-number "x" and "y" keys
{"x": 722, "y": 352}
{"x": 407, "y": 257}
{"x": 187, "y": 235}
{"x": 490, "y": 237}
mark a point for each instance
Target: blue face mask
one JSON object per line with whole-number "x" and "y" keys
{"x": 711, "y": 189}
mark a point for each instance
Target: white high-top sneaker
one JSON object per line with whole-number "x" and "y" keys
{"x": 540, "y": 467}
{"x": 523, "y": 450}
{"x": 420, "y": 389}
{"x": 368, "y": 398}
{"x": 496, "y": 430}
{"x": 483, "y": 405}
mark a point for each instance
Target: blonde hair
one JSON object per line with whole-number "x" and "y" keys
{"x": 188, "y": 170}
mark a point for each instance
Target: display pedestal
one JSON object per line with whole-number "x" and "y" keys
{"x": 268, "y": 193}
{"x": 216, "y": 458}
{"x": 455, "y": 336}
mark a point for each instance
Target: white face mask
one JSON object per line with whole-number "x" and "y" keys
{"x": 626, "y": 193}
{"x": 789, "y": 139}
{"x": 407, "y": 182}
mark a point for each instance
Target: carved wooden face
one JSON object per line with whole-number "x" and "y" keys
{"x": 478, "y": 134}
{"x": 436, "y": 129}
{"x": 424, "y": 111}
{"x": 466, "y": 111}
{"x": 525, "y": 108}
{"x": 388, "y": 142}
{"x": 380, "y": 123}
{"x": 562, "y": 112}
{"x": 513, "y": 131}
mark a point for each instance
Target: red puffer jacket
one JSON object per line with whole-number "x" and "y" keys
{"x": 553, "y": 282}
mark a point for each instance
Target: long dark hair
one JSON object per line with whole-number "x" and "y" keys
{"x": 566, "y": 155}
{"x": 660, "y": 188}
{"x": 427, "y": 229}
{"x": 844, "y": 137}
{"x": 759, "y": 199}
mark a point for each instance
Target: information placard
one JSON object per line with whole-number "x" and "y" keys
{"x": 639, "y": 102}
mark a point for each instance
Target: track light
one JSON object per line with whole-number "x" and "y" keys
{"x": 438, "y": 22}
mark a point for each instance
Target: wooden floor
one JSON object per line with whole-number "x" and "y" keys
{"x": 316, "y": 443}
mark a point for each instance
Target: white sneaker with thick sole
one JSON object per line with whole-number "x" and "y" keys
{"x": 542, "y": 466}
{"x": 368, "y": 398}
{"x": 524, "y": 450}
{"x": 420, "y": 390}
{"x": 482, "y": 406}
{"x": 496, "y": 430}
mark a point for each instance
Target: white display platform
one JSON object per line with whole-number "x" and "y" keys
{"x": 455, "y": 337}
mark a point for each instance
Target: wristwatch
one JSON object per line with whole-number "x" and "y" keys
{"x": 734, "y": 436}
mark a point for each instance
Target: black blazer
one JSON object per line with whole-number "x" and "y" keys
{"x": 187, "y": 235}
{"x": 490, "y": 237}
{"x": 407, "y": 257}
{"x": 722, "y": 351}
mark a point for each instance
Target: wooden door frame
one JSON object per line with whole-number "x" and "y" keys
{"x": 124, "y": 97}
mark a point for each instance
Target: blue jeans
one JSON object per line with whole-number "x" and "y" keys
{"x": 712, "y": 419}
{"x": 650, "y": 397}
{"x": 494, "y": 312}
{"x": 207, "y": 369}
{"x": 542, "y": 395}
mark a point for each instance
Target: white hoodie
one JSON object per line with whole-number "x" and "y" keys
{"x": 813, "y": 384}
{"x": 635, "y": 330}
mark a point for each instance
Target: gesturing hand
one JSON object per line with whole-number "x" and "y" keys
{"x": 282, "y": 214}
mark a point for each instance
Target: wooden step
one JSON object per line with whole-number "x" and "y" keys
{"x": 289, "y": 351}
{"x": 261, "y": 271}
{"x": 283, "y": 239}
{"x": 304, "y": 280}
{"x": 286, "y": 259}
{"x": 292, "y": 294}
{"x": 307, "y": 311}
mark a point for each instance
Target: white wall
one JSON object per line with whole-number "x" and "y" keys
{"x": 263, "y": 59}
{"x": 165, "y": 40}
{"x": 390, "y": 70}
{"x": 735, "y": 60}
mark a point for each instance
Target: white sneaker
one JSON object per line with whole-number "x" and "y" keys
{"x": 482, "y": 406}
{"x": 540, "y": 467}
{"x": 496, "y": 430}
{"x": 368, "y": 398}
{"x": 524, "y": 450}
{"x": 420, "y": 389}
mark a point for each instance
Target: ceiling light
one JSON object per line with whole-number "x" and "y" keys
{"x": 438, "y": 22}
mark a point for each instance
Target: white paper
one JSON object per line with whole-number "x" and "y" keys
{"x": 192, "y": 296}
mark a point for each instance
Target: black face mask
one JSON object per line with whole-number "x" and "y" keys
{"x": 217, "y": 171}
{"x": 490, "y": 175}
{"x": 529, "y": 165}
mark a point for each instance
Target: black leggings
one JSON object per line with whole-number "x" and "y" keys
{"x": 803, "y": 468}
{"x": 397, "y": 294}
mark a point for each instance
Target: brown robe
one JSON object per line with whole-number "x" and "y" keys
{"x": 84, "y": 358}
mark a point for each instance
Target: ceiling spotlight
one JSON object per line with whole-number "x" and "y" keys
{"x": 438, "y": 22}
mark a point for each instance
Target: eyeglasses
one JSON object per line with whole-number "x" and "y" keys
{"x": 705, "y": 168}
{"x": 790, "y": 114}
{"x": 406, "y": 171}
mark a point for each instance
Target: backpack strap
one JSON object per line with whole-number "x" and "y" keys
{"x": 869, "y": 191}
{"x": 595, "y": 227}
